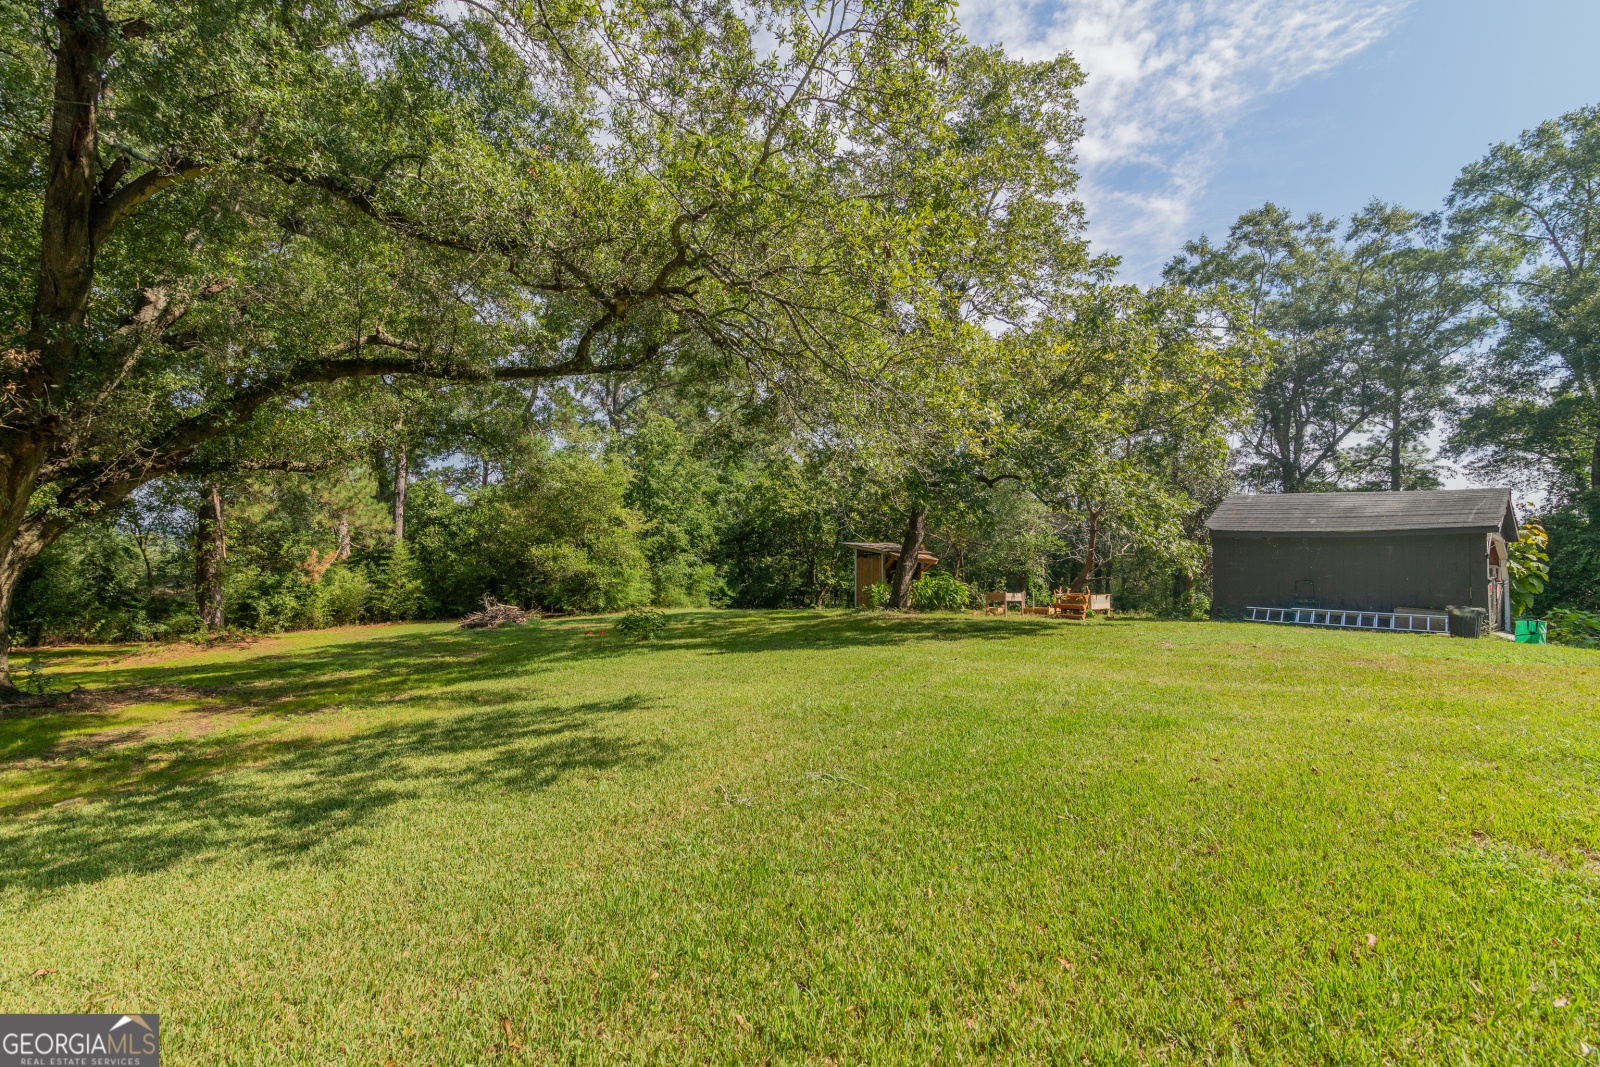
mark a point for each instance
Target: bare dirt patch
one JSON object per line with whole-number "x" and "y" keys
{"x": 125, "y": 696}
{"x": 182, "y": 723}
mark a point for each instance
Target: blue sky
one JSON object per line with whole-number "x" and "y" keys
{"x": 1197, "y": 110}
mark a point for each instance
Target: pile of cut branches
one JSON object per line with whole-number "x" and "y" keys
{"x": 495, "y": 614}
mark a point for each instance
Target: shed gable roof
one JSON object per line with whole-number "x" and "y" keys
{"x": 1353, "y": 513}
{"x": 889, "y": 548}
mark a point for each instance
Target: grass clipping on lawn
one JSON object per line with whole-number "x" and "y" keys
{"x": 812, "y": 837}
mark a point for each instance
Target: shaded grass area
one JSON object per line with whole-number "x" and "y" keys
{"x": 813, "y": 838}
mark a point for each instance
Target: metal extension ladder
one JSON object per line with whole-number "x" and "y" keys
{"x": 1392, "y": 622}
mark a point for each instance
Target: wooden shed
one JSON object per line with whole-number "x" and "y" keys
{"x": 876, "y": 562}
{"x": 1363, "y": 552}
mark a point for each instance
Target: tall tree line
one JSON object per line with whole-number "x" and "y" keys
{"x": 1473, "y": 327}
{"x": 1374, "y": 322}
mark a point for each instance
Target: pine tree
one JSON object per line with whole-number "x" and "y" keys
{"x": 398, "y": 595}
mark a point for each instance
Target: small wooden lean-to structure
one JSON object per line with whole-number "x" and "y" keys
{"x": 876, "y": 562}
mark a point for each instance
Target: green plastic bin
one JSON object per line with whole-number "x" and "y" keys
{"x": 1531, "y": 631}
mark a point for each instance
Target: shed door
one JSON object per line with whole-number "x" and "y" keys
{"x": 869, "y": 571}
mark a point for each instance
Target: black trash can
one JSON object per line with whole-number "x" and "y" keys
{"x": 1468, "y": 622}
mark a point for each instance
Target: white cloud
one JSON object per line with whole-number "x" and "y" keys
{"x": 1167, "y": 79}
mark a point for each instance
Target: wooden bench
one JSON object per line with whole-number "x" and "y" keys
{"x": 1079, "y": 606}
{"x": 1073, "y": 606}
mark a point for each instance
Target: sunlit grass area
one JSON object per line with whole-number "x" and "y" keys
{"x": 815, "y": 838}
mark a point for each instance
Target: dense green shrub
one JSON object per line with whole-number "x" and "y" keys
{"x": 876, "y": 596}
{"x": 101, "y": 582}
{"x": 397, "y": 589}
{"x": 556, "y": 534}
{"x": 1528, "y": 566}
{"x": 261, "y": 599}
{"x": 439, "y": 527}
{"x": 1194, "y": 603}
{"x": 675, "y": 493}
{"x": 341, "y": 598}
{"x": 940, "y": 591}
{"x": 562, "y": 537}
{"x": 1571, "y": 627}
{"x": 642, "y": 624}
{"x": 779, "y": 544}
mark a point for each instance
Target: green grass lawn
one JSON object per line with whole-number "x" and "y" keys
{"x": 816, "y": 838}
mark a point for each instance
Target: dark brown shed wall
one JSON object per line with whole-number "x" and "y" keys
{"x": 1354, "y": 573}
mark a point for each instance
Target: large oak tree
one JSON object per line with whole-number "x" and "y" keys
{"x": 1369, "y": 328}
{"x": 210, "y": 209}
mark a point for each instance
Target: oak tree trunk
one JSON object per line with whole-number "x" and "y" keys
{"x": 210, "y": 552}
{"x": 342, "y": 531}
{"x": 61, "y": 296}
{"x": 67, "y": 248}
{"x": 910, "y": 549}
{"x": 1089, "y": 553}
{"x": 15, "y": 560}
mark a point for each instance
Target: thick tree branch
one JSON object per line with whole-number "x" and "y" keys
{"x": 991, "y": 482}
{"x": 111, "y": 211}
{"x": 204, "y": 468}
{"x": 107, "y": 481}
{"x": 113, "y": 174}
{"x": 396, "y": 12}
{"x": 360, "y": 196}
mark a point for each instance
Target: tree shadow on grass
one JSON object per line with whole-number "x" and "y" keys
{"x": 413, "y": 666}
{"x": 312, "y": 797}
{"x": 810, "y": 631}
{"x": 428, "y": 669}
{"x": 287, "y": 793}
{"x": 374, "y": 667}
